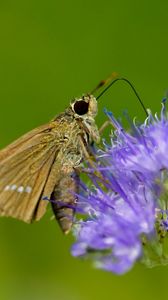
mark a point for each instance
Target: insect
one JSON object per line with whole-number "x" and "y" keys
{"x": 45, "y": 163}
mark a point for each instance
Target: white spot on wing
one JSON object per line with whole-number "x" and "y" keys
{"x": 13, "y": 187}
{"x": 20, "y": 189}
{"x": 28, "y": 189}
{"x": 7, "y": 188}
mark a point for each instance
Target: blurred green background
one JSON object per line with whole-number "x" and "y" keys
{"x": 51, "y": 51}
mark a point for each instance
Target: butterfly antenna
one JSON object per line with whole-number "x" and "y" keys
{"x": 131, "y": 85}
{"x": 104, "y": 82}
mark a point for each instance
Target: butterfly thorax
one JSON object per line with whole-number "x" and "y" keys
{"x": 71, "y": 128}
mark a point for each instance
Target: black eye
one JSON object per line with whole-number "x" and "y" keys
{"x": 81, "y": 107}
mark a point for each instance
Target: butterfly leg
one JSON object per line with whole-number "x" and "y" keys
{"x": 88, "y": 155}
{"x": 104, "y": 126}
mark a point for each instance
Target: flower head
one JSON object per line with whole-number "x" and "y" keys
{"x": 124, "y": 212}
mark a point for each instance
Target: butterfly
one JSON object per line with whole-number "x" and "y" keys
{"x": 45, "y": 164}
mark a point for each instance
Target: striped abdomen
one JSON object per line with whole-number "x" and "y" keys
{"x": 64, "y": 199}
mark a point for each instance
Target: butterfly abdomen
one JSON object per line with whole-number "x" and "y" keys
{"x": 64, "y": 199}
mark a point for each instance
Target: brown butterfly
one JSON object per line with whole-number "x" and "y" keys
{"x": 45, "y": 163}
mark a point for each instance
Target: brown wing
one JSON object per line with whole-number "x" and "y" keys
{"x": 25, "y": 169}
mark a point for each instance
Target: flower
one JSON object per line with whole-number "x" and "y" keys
{"x": 125, "y": 210}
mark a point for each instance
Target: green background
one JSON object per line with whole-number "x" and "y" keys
{"x": 51, "y": 51}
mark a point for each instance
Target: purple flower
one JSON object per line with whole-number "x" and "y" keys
{"x": 124, "y": 211}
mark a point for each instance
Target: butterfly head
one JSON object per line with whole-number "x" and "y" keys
{"x": 84, "y": 106}
{"x": 84, "y": 111}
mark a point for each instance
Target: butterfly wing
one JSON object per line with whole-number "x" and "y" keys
{"x": 25, "y": 169}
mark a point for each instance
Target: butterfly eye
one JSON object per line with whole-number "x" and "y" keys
{"x": 81, "y": 107}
